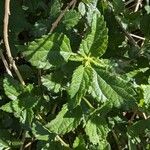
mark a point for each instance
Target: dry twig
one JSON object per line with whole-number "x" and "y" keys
{"x": 138, "y": 4}
{"x": 54, "y": 25}
{"x": 6, "y": 41}
{"x": 5, "y": 63}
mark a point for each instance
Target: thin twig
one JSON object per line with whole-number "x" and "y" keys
{"x": 23, "y": 140}
{"x": 139, "y": 2}
{"x": 5, "y": 63}
{"x": 132, "y": 117}
{"x": 6, "y": 42}
{"x": 62, "y": 142}
{"x": 131, "y": 40}
{"x": 138, "y": 37}
{"x": 116, "y": 139}
{"x": 88, "y": 103}
{"x": 54, "y": 25}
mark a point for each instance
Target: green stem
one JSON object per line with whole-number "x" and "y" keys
{"x": 62, "y": 141}
{"x": 88, "y": 103}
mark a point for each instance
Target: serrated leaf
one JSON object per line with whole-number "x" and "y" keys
{"x": 80, "y": 83}
{"x": 71, "y": 18}
{"x": 48, "y": 51}
{"x": 95, "y": 43}
{"x": 12, "y": 87}
{"x": 146, "y": 93}
{"x": 53, "y": 82}
{"x": 40, "y": 132}
{"x": 97, "y": 130}
{"x": 139, "y": 128}
{"x": 25, "y": 115}
{"x": 115, "y": 89}
{"x": 65, "y": 121}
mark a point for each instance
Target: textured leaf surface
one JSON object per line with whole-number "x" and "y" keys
{"x": 97, "y": 130}
{"x": 95, "y": 43}
{"x": 48, "y": 51}
{"x": 71, "y": 18}
{"x": 53, "y": 82}
{"x": 65, "y": 121}
{"x": 12, "y": 87}
{"x": 80, "y": 83}
{"x": 146, "y": 93}
{"x": 119, "y": 92}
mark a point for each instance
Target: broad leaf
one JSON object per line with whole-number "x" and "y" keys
{"x": 106, "y": 85}
{"x": 97, "y": 130}
{"x": 95, "y": 43}
{"x": 48, "y": 51}
{"x": 65, "y": 121}
{"x": 80, "y": 83}
{"x": 12, "y": 87}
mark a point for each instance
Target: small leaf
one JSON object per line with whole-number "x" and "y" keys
{"x": 71, "y": 18}
{"x": 95, "y": 43}
{"x": 79, "y": 143}
{"x": 65, "y": 121}
{"x": 48, "y": 51}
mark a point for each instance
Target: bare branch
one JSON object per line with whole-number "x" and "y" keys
{"x": 54, "y": 25}
{"x": 6, "y": 41}
{"x": 5, "y": 63}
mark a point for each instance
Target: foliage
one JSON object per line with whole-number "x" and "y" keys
{"x": 87, "y": 81}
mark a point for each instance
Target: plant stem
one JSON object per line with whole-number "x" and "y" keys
{"x": 5, "y": 63}
{"x": 54, "y": 25}
{"x": 88, "y": 103}
{"x": 116, "y": 139}
{"x": 62, "y": 142}
{"x": 6, "y": 42}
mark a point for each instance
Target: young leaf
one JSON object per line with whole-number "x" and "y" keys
{"x": 113, "y": 88}
{"x": 95, "y": 43}
{"x": 80, "y": 83}
{"x": 48, "y": 51}
{"x": 65, "y": 121}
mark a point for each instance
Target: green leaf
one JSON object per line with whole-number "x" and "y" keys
{"x": 40, "y": 132}
{"x": 139, "y": 128}
{"x": 71, "y": 18}
{"x": 12, "y": 87}
{"x": 65, "y": 121}
{"x": 53, "y": 82}
{"x": 115, "y": 89}
{"x": 146, "y": 93}
{"x": 4, "y": 145}
{"x": 95, "y": 43}
{"x": 80, "y": 83}
{"x": 97, "y": 129}
{"x": 48, "y": 51}
{"x": 79, "y": 143}
{"x": 81, "y": 8}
